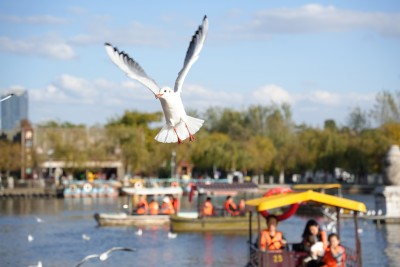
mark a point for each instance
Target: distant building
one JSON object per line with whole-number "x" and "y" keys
{"x": 14, "y": 109}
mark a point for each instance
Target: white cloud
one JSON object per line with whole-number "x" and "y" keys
{"x": 99, "y": 99}
{"x": 45, "y": 46}
{"x": 324, "y": 97}
{"x": 272, "y": 93}
{"x": 198, "y": 97}
{"x": 315, "y": 18}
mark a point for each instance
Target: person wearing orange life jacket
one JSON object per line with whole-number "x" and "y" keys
{"x": 230, "y": 207}
{"x": 175, "y": 203}
{"x": 153, "y": 207}
{"x": 335, "y": 254}
{"x": 167, "y": 207}
{"x": 242, "y": 205}
{"x": 142, "y": 206}
{"x": 271, "y": 238}
{"x": 207, "y": 209}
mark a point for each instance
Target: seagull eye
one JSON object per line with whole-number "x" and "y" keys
{"x": 165, "y": 91}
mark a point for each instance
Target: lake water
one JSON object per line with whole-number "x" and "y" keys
{"x": 58, "y": 239}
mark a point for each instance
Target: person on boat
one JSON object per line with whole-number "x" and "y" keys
{"x": 230, "y": 207}
{"x": 314, "y": 243}
{"x": 167, "y": 207}
{"x": 175, "y": 203}
{"x": 154, "y": 207}
{"x": 142, "y": 206}
{"x": 208, "y": 208}
{"x": 242, "y": 205}
{"x": 271, "y": 238}
{"x": 335, "y": 254}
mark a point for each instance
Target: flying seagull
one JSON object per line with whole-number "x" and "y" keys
{"x": 37, "y": 265}
{"x": 104, "y": 256}
{"x": 30, "y": 238}
{"x": 179, "y": 125}
{"x": 7, "y": 97}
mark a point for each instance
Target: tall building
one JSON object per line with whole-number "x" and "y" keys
{"x": 14, "y": 109}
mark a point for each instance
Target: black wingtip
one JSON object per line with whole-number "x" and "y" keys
{"x": 107, "y": 44}
{"x": 205, "y": 17}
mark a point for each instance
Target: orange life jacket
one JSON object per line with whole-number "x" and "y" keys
{"x": 208, "y": 209}
{"x": 337, "y": 260}
{"x": 153, "y": 208}
{"x": 167, "y": 208}
{"x": 242, "y": 205}
{"x": 324, "y": 239}
{"x": 271, "y": 243}
{"x": 142, "y": 207}
{"x": 231, "y": 207}
{"x": 175, "y": 204}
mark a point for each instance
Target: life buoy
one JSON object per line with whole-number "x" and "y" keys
{"x": 280, "y": 190}
{"x": 87, "y": 188}
{"x": 174, "y": 184}
{"x": 138, "y": 185}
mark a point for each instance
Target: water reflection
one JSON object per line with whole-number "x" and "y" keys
{"x": 392, "y": 250}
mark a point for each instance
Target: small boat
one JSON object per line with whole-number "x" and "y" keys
{"x": 124, "y": 219}
{"x": 221, "y": 223}
{"x": 290, "y": 257}
{"x": 128, "y": 219}
{"x": 181, "y": 223}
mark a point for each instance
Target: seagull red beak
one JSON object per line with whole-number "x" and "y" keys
{"x": 158, "y": 96}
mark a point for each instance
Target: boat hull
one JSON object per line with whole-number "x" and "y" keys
{"x": 213, "y": 224}
{"x": 122, "y": 219}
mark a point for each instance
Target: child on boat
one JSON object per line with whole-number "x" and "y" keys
{"x": 335, "y": 254}
{"x": 271, "y": 238}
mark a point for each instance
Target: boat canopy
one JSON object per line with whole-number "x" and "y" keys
{"x": 316, "y": 186}
{"x": 221, "y": 188}
{"x": 276, "y": 201}
{"x": 153, "y": 191}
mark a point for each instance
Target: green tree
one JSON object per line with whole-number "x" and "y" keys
{"x": 386, "y": 108}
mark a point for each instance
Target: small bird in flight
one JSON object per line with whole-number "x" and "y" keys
{"x": 104, "y": 256}
{"x": 179, "y": 125}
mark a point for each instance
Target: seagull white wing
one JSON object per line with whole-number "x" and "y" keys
{"x": 86, "y": 258}
{"x": 131, "y": 68}
{"x": 192, "y": 53}
{"x": 121, "y": 249}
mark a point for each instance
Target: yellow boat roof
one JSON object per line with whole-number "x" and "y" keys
{"x": 315, "y": 186}
{"x": 281, "y": 200}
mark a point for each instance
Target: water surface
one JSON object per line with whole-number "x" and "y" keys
{"x": 58, "y": 239}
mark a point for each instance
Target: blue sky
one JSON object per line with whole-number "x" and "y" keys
{"x": 324, "y": 57}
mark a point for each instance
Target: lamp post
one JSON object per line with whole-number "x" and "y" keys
{"x": 173, "y": 158}
{"x": 50, "y": 154}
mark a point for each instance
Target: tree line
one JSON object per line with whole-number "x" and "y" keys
{"x": 259, "y": 140}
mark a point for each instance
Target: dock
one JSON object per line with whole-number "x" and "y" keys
{"x": 29, "y": 192}
{"x": 378, "y": 219}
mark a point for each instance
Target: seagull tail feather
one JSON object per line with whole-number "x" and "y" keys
{"x": 168, "y": 135}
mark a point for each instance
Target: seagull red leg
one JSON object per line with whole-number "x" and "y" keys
{"x": 191, "y": 136}
{"x": 179, "y": 140}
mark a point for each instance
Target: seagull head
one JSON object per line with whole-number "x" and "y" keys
{"x": 164, "y": 92}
